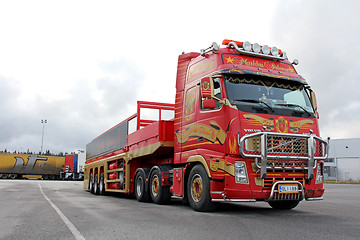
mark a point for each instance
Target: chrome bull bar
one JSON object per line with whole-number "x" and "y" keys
{"x": 283, "y": 146}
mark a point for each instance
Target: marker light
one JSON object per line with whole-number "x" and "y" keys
{"x": 265, "y": 49}
{"x": 247, "y": 46}
{"x": 227, "y": 41}
{"x": 274, "y": 51}
{"x": 256, "y": 48}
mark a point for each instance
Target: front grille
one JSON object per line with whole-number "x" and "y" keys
{"x": 282, "y": 146}
{"x": 278, "y": 146}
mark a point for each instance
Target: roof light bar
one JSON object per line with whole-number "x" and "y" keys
{"x": 255, "y": 49}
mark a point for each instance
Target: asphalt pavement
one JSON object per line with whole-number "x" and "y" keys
{"x": 35, "y": 209}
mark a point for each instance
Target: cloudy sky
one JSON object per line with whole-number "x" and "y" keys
{"x": 82, "y": 65}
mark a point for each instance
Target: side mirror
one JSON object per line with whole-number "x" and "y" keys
{"x": 313, "y": 101}
{"x": 208, "y": 104}
{"x": 207, "y": 88}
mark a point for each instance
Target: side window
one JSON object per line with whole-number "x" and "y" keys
{"x": 217, "y": 94}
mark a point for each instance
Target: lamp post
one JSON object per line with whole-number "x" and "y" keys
{"x": 42, "y": 138}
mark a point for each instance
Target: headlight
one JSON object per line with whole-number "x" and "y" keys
{"x": 319, "y": 173}
{"x": 240, "y": 172}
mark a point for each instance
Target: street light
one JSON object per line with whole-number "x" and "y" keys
{"x": 42, "y": 138}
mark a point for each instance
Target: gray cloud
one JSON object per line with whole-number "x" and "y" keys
{"x": 74, "y": 121}
{"x": 324, "y": 36}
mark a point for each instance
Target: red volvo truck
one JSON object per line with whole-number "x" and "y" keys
{"x": 245, "y": 129}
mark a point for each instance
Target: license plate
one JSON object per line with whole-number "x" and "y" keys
{"x": 288, "y": 188}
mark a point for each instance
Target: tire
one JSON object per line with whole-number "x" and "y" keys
{"x": 102, "y": 184}
{"x": 45, "y": 177}
{"x": 13, "y": 176}
{"x": 52, "y": 177}
{"x": 198, "y": 190}
{"x": 4, "y": 176}
{"x": 158, "y": 193}
{"x": 96, "y": 185}
{"x": 91, "y": 183}
{"x": 284, "y": 205}
{"x": 140, "y": 187}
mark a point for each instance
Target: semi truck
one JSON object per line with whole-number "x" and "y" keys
{"x": 73, "y": 167}
{"x": 15, "y": 166}
{"x": 245, "y": 129}
{"x": 22, "y": 165}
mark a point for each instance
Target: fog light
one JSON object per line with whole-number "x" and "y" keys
{"x": 247, "y": 46}
{"x": 240, "y": 172}
{"x": 274, "y": 51}
{"x": 265, "y": 49}
{"x": 319, "y": 173}
{"x": 256, "y": 48}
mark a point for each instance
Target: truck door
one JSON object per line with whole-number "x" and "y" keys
{"x": 211, "y": 120}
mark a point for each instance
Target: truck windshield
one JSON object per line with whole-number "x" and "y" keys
{"x": 268, "y": 95}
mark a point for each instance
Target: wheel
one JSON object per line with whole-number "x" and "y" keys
{"x": 13, "y": 176}
{"x": 45, "y": 177}
{"x": 158, "y": 193}
{"x": 102, "y": 184}
{"x": 198, "y": 190}
{"x": 140, "y": 188}
{"x": 91, "y": 183}
{"x": 96, "y": 185}
{"x": 284, "y": 205}
{"x": 52, "y": 177}
{"x": 4, "y": 175}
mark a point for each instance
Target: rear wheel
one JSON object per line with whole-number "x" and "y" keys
{"x": 96, "y": 185}
{"x": 284, "y": 205}
{"x": 140, "y": 188}
{"x": 4, "y": 175}
{"x": 102, "y": 184}
{"x": 159, "y": 194}
{"x": 91, "y": 183}
{"x": 45, "y": 177}
{"x": 13, "y": 176}
{"x": 198, "y": 190}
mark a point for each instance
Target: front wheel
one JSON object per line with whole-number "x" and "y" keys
{"x": 284, "y": 205}
{"x": 198, "y": 190}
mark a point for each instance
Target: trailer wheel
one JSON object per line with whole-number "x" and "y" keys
{"x": 96, "y": 185}
{"x": 139, "y": 187}
{"x": 102, "y": 184}
{"x": 284, "y": 205}
{"x": 91, "y": 183}
{"x": 4, "y": 175}
{"x": 159, "y": 194}
{"x": 198, "y": 190}
{"x": 13, "y": 176}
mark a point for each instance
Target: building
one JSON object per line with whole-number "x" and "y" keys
{"x": 343, "y": 163}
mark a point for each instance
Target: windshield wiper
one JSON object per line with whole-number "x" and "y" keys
{"x": 293, "y": 105}
{"x": 255, "y": 101}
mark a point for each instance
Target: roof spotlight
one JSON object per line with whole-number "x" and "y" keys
{"x": 274, "y": 51}
{"x": 265, "y": 49}
{"x": 256, "y": 48}
{"x": 247, "y": 46}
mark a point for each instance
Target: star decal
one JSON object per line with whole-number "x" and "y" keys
{"x": 230, "y": 60}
